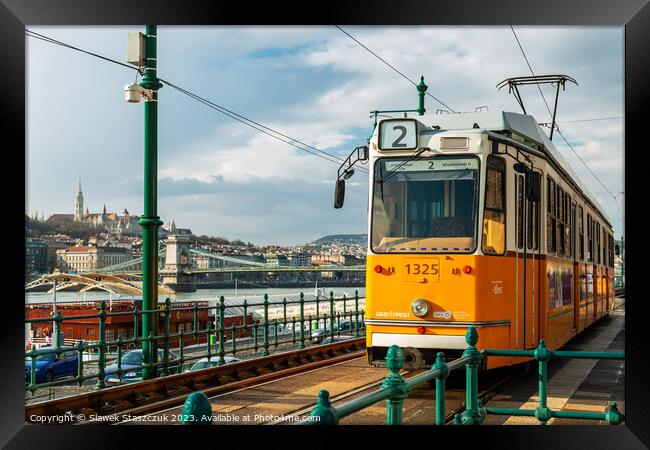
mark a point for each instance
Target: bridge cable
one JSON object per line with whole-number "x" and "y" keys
{"x": 559, "y": 132}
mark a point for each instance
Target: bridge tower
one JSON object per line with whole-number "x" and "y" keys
{"x": 178, "y": 261}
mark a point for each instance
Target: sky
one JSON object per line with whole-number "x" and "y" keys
{"x": 315, "y": 84}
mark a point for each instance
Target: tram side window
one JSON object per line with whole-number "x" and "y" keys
{"x": 532, "y": 213}
{"x": 568, "y": 224}
{"x": 519, "y": 179}
{"x": 550, "y": 215}
{"x": 598, "y": 247}
{"x": 603, "y": 245}
{"x": 560, "y": 220}
{"x": 590, "y": 239}
{"x": 494, "y": 214}
{"x": 581, "y": 234}
{"x": 611, "y": 250}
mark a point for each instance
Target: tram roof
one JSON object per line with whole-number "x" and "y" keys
{"x": 521, "y": 124}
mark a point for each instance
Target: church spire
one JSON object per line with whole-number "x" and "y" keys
{"x": 79, "y": 204}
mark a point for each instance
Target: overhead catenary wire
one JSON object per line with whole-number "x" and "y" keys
{"x": 233, "y": 115}
{"x": 559, "y": 132}
{"x": 257, "y": 126}
{"x": 42, "y": 37}
{"x": 392, "y": 67}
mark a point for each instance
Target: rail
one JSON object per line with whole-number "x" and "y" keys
{"x": 150, "y": 396}
{"x": 290, "y": 327}
{"x": 395, "y": 389}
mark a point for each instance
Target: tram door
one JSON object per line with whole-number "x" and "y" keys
{"x": 528, "y": 267}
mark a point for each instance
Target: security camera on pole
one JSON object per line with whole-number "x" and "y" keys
{"x": 142, "y": 53}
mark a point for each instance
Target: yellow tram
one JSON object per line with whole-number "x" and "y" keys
{"x": 475, "y": 219}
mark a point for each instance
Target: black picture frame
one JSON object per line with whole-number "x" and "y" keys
{"x": 634, "y": 15}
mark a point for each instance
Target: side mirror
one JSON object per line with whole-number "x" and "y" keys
{"x": 533, "y": 186}
{"x": 339, "y": 194}
{"x": 617, "y": 250}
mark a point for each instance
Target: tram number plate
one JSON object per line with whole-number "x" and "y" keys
{"x": 419, "y": 269}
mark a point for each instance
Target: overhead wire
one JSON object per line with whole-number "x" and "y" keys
{"x": 233, "y": 115}
{"x": 392, "y": 67}
{"x": 559, "y": 132}
{"x": 255, "y": 125}
{"x": 42, "y": 37}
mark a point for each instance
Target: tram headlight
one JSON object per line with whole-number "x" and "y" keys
{"x": 420, "y": 307}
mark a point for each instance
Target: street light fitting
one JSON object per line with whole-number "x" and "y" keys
{"x": 134, "y": 92}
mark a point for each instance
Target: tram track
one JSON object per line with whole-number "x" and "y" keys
{"x": 150, "y": 396}
{"x": 454, "y": 396}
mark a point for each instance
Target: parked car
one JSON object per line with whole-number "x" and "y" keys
{"x": 319, "y": 334}
{"x": 204, "y": 363}
{"x": 133, "y": 360}
{"x": 49, "y": 366}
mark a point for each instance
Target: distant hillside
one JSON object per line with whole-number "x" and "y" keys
{"x": 342, "y": 239}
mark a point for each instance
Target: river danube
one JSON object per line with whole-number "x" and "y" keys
{"x": 212, "y": 295}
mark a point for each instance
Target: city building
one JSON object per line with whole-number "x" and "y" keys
{"x": 35, "y": 257}
{"x": 87, "y": 257}
{"x": 277, "y": 260}
{"x": 301, "y": 259}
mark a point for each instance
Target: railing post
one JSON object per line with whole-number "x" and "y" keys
{"x": 32, "y": 373}
{"x": 195, "y": 323}
{"x": 119, "y": 357}
{"x": 255, "y": 334}
{"x": 222, "y": 311}
{"x": 473, "y": 415}
{"x": 58, "y": 320}
{"x": 234, "y": 332}
{"x": 154, "y": 356}
{"x": 542, "y": 355}
{"x": 345, "y": 300}
{"x": 302, "y": 321}
{"x": 324, "y": 410}
{"x": 440, "y": 387}
{"x": 331, "y": 316}
{"x": 275, "y": 333}
{"x": 80, "y": 361}
{"x": 208, "y": 340}
{"x": 196, "y": 410}
{"x": 265, "y": 330}
{"x": 613, "y": 415}
{"x": 356, "y": 314}
{"x": 181, "y": 358}
{"x": 101, "y": 364}
{"x": 168, "y": 315}
{"x": 394, "y": 381}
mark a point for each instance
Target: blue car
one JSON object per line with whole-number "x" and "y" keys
{"x": 133, "y": 360}
{"x": 49, "y": 366}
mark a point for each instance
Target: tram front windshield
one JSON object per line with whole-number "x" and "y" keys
{"x": 425, "y": 205}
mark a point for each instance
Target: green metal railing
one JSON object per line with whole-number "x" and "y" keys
{"x": 214, "y": 341}
{"x": 395, "y": 388}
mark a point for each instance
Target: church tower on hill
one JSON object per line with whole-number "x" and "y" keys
{"x": 79, "y": 205}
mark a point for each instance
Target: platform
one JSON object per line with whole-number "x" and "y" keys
{"x": 574, "y": 385}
